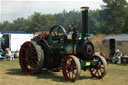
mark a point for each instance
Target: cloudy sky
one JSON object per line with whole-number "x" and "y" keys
{"x": 13, "y": 9}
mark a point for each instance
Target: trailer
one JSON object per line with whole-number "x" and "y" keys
{"x": 112, "y": 43}
{"x": 14, "y": 41}
{"x": 0, "y": 35}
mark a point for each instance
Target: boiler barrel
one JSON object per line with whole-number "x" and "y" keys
{"x": 82, "y": 49}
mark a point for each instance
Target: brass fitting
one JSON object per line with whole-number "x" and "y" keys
{"x": 84, "y": 8}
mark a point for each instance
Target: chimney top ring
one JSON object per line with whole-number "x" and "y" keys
{"x": 84, "y": 8}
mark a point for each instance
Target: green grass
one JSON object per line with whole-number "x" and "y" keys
{"x": 11, "y": 74}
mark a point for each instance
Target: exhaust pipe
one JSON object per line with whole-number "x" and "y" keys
{"x": 84, "y": 21}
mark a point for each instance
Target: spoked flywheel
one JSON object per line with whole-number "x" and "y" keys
{"x": 71, "y": 68}
{"x": 100, "y": 69}
{"x": 31, "y": 57}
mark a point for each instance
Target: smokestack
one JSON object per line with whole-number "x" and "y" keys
{"x": 84, "y": 21}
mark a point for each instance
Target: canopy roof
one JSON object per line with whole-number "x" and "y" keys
{"x": 122, "y": 37}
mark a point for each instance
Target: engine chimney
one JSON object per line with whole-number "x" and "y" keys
{"x": 84, "y": 21}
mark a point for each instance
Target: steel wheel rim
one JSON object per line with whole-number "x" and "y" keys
{"x": 28, "y": 58}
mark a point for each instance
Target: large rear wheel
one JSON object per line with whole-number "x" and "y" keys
{"x": 100, "y": 69}
{"x": 71, "y": 68}
{"x": 31, "y": 57}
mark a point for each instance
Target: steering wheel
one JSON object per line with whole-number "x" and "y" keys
{"x": 57, "y": 32}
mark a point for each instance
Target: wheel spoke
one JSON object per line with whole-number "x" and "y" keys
{"x": 26, "y": 51}
{"x": 74, "y": 73}
{"x": 32, "y": 62}
{"x": 24, "y": 59}
{"x": 69, "y": 74}
{"x": 67, "y": 64}
{"x": 28, "y": 63}
{"x": 95, "y": 72}
{"x": 34, "y": 57}
{"x": 92, "y": 69}
{"x": 100, "y": 70}
{"x": 33, "y": 53}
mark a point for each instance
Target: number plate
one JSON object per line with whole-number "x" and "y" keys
{"x": 87, "y": 63}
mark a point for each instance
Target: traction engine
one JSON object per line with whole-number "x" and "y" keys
{"x": 58, "y": 50}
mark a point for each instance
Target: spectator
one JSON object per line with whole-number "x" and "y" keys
{"x": 117, "y": 57}
{"x": 8, "y": 53}
{"x": 1, "y": 52}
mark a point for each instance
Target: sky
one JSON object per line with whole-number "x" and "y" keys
{"x": 13, "y": 9}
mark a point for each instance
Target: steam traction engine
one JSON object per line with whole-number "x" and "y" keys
{"x": 60, "y": 49}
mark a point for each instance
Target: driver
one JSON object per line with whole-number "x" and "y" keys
{"x": 72, "y": 31}
{"x": 71, "y": 28}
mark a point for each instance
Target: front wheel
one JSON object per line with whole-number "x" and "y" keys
{"x": 71, "y": 68}
{"x": 98, "y": 71}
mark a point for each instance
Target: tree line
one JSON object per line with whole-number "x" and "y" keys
{"x": 112, "y": 18}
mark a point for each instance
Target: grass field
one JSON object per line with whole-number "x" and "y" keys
{"x": 11, "y": 74}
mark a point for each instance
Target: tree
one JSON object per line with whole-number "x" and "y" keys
{"x": 34, "y": 22}
{"x": 18, "y": 24}
{"x": 6, "y": 26}
{"x": 38, "y": 22}
{"x": 115, "y": 16}
{"x": 94, "y": 21}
